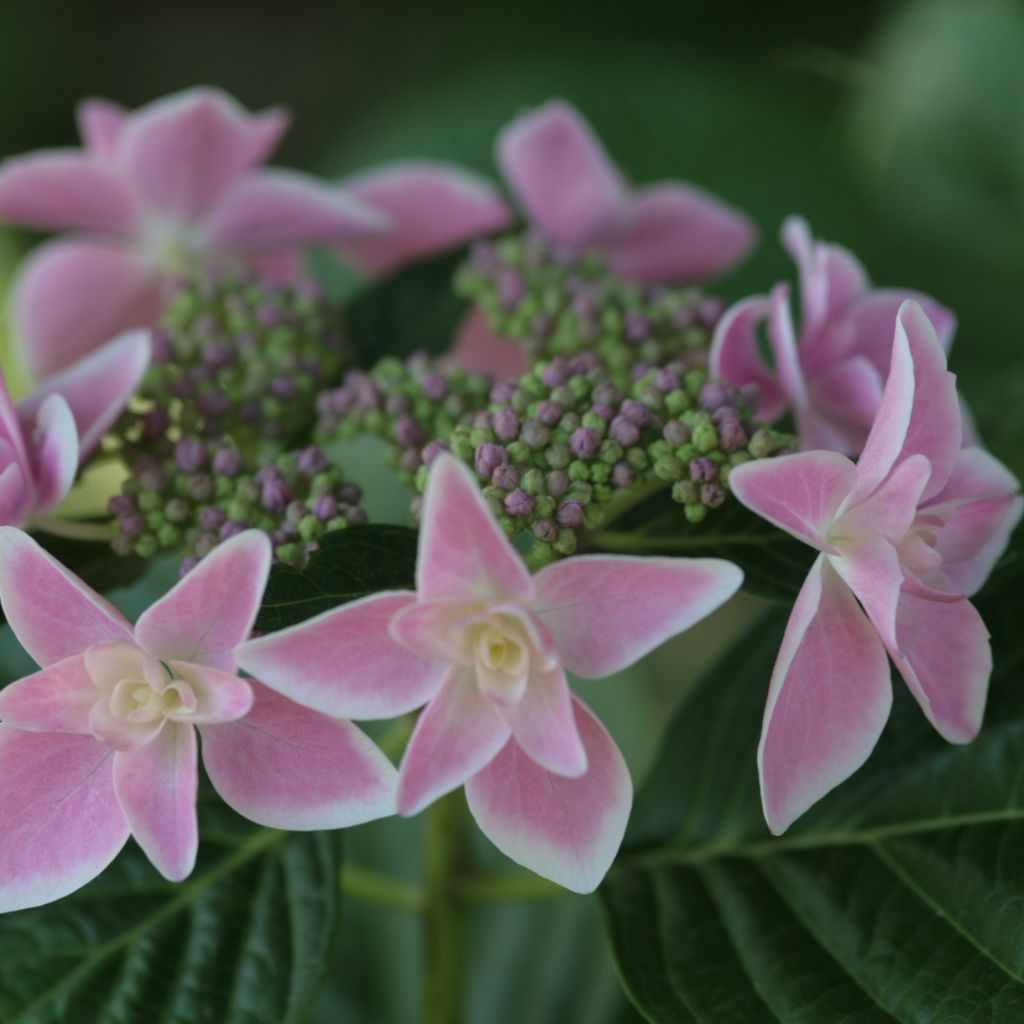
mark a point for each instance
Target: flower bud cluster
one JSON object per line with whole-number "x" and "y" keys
{"x": 407, "y": 403}
{"x": 210, "y": 490}
{"x": 235, "y": 357}
{"x": 562, "y": 448}
{"x": 559, "y": 301}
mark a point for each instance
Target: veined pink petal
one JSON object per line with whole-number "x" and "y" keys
{"x": 943, "y": 654}
{"x": 344, "y": 661}
{"x": 62, "y": 822}
{"x": 432, "y": 207}
{"x": 828, "y": 701}
{"x": 433, "y": 630}
{"x": 53, "y": 613}
{"x": 568, "y": 830}
{"x": 66, "y": 190}
{"x": 458, "y": 733}
{"x": 562, "y": 176}
{"x": 544, "y": 725}
{"x": 276, "y": 209}
{"x": 799, "y": 493}
{"x": 479, "y": 350}
{"x": 782, "y": 336}
{"x": 184, "y": 150}
{"x": 870, "y": 567}
{"x": 96, "y": 387}
{"x": 677, "y": 232}
{"x": 843, "y": 403}
{"x": 156, "y": 786}
{"x": 607, "y": 611}
{"x": 286, "y": 766}
{"x": 891, "y": 509}
{"x": 210, "y": 611}
{"x": 15, "y": 491}
{"x": 73, "y": 295}
{"x": 57, "y": 699}
{"x": 463, "y": 552}
{"x": 99, "y": 123}
{"x": 736, "y": 359}
{"x": 54, "y": 453}
{"x": 220, "y": 696}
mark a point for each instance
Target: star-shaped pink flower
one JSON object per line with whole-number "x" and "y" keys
{"x": 830, "y": 374}
{"x": 906, "y": 536}
{"x": 152, "y": 192}
{"x": 101, "y": 742}
{"x": 486, "y": 646}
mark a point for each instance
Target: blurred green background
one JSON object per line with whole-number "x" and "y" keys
{"x": 895, "y": 128}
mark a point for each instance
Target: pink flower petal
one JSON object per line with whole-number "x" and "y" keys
{"x": 53, "y": 613}
{"x": 945, "y": 658}
{"x": 782, "y": 336}
{"x": 677, "y": 232}
{"x": 100, "y": 123}
{"x": 57, "y": 699}
{"x": 285, "y": 766}
{"x": 800, "y": 493}
{"x": 62, "y": 823}
{"x": 211, "y": 610}
{"x": 458, "y": 733}
{"x": 735, "y": 356}
{"x": 71, "y": 296}
{"x": 463, "y": 552}
{"x": 15, "y": 491}
{"x": 479, "y": 350}
{"x": 871, "y": 568}
{"x": 157, "y": 786}
{"x": 345, "y": 663}
{"x": 844, "y": 403}
{"x": 544, "y": 725}
{"x": 184, "y": 150}
{"x": 890, "y": 510}
{"x": 285, "y": 209}
{"x": 66, "y": 190}
{"x": 432, "y": 207}
{"x": 96, "y": 387}
{"x": 562, "y": 176}
{"x": 567, "y": 830}
{"x": 220, "y": 696}
{"x": 54, "y": 454}
{"x": 607, "y": 611}
{"x": 829, "y": 699}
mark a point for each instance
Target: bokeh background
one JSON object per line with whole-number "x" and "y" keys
{"x": 896, "y": 128}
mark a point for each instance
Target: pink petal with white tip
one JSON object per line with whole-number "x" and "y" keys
{"x": 457, "y": 734}
{"x": 54, "y": 452}
{"x": 567, "y": 830}
{"x": 62, "y": 821}
{"x": 544, "y": 725}
{"x": 15, "y": 491}
{"x": 99, "y": 124}
{"x": 53, "y": 613}
{"x": 463, "y": 552}
{"x": 844, "y": 401}
{"x": 219, "y": 696}
{"x": 286, "y": 766}
{"x": 210, "y": 611}
{"x": 829, "y": 699}
{"x": 562, "y": 176}
{"x": 607, "y": 611}
{"x": 344, "y": 662}
{"x": 156, "y": 786}
{"x": 57, "y": 699}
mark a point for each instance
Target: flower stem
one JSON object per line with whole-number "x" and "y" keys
{"x": 446, "y": 926}
{"x": 510, "y": 887}
{"x": 74, "y": 529}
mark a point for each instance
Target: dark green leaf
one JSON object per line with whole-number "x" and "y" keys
{"x": 897, "y": 898}
{"x": 94, "y": 562}
{"x": 413, "y": 310}
{"x": 245, "y": 940}
{"x": 349, "y": 564}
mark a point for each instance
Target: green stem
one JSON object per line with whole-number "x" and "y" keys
{"x": 446, "y": 927}
{"x": 393, "y": 742}
{"x": 380, "y": 890}
{"x": 510, "y": 887}
{"x": 613, "y": 540}
{"x": 74, "y": 529}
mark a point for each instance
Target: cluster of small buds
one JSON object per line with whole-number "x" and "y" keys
{"x": 207, "y": 493}
{"x": 408, "y": 404}
{"x": 559, "y": 301}
{"x": 558, "y": 450}
{"x": 235, "y": 357}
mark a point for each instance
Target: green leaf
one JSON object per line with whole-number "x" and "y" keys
{"x": 897, "y": 898}
{"x": 94, "y": 562}
{"x": 413, "y": 310}
{"x": 245, "y": 940}
{"x": 348, "y": 564}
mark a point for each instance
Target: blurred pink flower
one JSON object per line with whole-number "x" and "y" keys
{"x": 101, "y": 743}
{"x": 486, "y": 646}
{"x": 151, "y": 192}
{"x": 46, "y": 436}
{"x": 910, "y": 532}
{"x": 832, "y": 372}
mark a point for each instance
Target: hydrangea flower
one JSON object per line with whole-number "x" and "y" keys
{"x": 831, "y": 373}
{"x": 47, "y": 435}
{"x": 486, "y": 647}
{"x": 151, "y": 192}
{"x": 101, "y": 742}
{"x": 910, "y": 532}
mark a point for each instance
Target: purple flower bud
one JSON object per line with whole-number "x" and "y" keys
{"x": 636, "y": 412}
{"x": 623, "y": 475}
{"x": 213, "y": 404}
{"x": 666, "y": 379}
{"x": 557, "y": 482}
{"x": 283, "y": 387}
{"x": 731, "y": 436}
{"x": 502, "y": 392}
{"x": 604, "y": 410}
{"x": 506, "y": 477}
{"x": 435, "y": 386}
{"x": 638, "y": 327}
{"x": 549, "y": 413}
{"x": 545, "y": 530}
{"x": 625, "y": 432}
{"x": 408, "y": 433}
{"x": 325, "y": 507}
{"x": 534, "y": 434}
{"x": 230, "y": 529}
{"x": 227, "y": 462}
{"x": 311, "y": 460}
{"x": 187, "y": 565}
{"x": 274, "y": 496}
{"x": 511, "y": 287}
{"x": 155, "y": 423}
{"x": 488, "y": 458}
{"x": 505, "y": 423}
{"x": 269, "y": 316}
{"x": 709, "y": 311}
{"x": 606, "y": 393}
{"x": 569, "y": 513}
{"x": 431, "y": 451}
{"x": 397, "y": 405}
{"x": 518, "y": 503}
{"x": 121, "y": 505}
{"x": 409, "y": 461}
{"x": 212, "y": 518}
{"x": 555, "y": 373}
{"x": 356, "y": 516}
{"x": 216, "y": 354}
{"x": 200, "y": 487}
{"x": 190, "y": 455}
{"x": 133, "y": 525}
{"x": 351, "y": 494}
{"x": 675, "y": 432}
{"x": 702, "y": 469}
{"x": 585, "y": 442}
{"x": 713, "y": 395}
{"x": 712, "y": 495}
